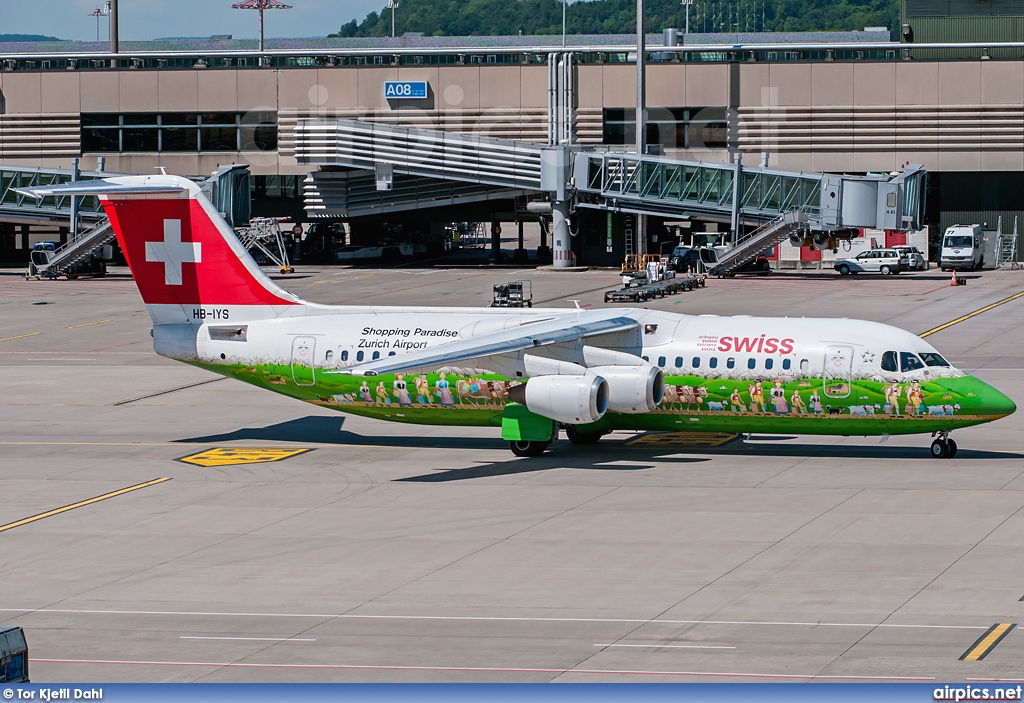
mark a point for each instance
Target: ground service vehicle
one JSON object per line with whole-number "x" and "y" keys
{"x": 883, "y": 261}
{"x": 13, "y": 656}
{"x": 961, "y": 248}
{"x": 911, "y": 258}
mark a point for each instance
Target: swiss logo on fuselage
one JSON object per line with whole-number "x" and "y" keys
{"x": 762, "y": 344}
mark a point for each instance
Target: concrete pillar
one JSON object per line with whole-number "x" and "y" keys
{"x": 24, "y": 238}
{"x": 561, "y": 250}
{"x": 641, "y": 234}
{"x": 495, "y": 242}
{"x": 520, "y": 256}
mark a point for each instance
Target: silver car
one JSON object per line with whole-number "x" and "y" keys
{"x": 883, "y": 261}
{"x": 912, "y": 258}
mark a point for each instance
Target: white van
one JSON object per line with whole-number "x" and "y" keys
{"x": 961, "y": 248}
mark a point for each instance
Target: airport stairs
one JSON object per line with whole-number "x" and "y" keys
{"x": 764, "y": 237}
{"x": 1006, "y": 248}
{"x": 77, "y": 251}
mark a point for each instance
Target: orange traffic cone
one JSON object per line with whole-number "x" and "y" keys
{"x": 954, "y": 282}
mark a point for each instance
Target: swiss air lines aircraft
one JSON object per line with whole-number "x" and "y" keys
{"x": 530, "y": 371}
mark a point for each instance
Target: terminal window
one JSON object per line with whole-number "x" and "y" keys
{"x": 669, "y": 127}
{"x": 178, "y": 132}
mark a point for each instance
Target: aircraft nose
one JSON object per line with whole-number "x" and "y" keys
{"x": 994, "y": 401}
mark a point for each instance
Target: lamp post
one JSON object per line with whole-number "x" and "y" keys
{"x": 687, "y": 3}
{"x": 261, "y": 5}
{"x": 393, "y": 5}
{"x": 563, "y": 22}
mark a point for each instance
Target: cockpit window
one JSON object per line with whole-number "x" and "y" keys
{"x": 889, "y": 361}
{"x": 910, "y": 362}
{"x": 933, "y": 359}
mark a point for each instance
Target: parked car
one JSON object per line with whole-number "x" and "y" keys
{"x": 883, "y": 261}
{"x": 911, "y": 258}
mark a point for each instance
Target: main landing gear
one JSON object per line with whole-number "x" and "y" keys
{"x": 522, "y": 447}
{"x": 577, "y": 437}
{"x": 528, "y": 448}
{"x": 943, "y": 447}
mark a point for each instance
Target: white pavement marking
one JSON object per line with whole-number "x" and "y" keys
{"x": 491, "y": 669}
{"x": 178, "y": 613}
{"x": 253, "y": 639}
{"x": 667, "y": 646}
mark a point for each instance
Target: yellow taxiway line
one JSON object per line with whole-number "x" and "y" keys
{"x": 969, "y": 315}
{"x": 987, "y": 642}
{"x": 86, "y": 324}
{"x": 81, "y": 503}
{"x": 20, "y": 336}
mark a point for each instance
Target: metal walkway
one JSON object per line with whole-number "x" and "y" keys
{"x": 354, "y": 194}
{"x": 616, "y": 181}
{"x": 19, "y": 208}
{"x": 663, "y": 186}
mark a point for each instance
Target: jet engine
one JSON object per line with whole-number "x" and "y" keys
{"x": 573, "y": 400}
{"x": 632, "y": 389}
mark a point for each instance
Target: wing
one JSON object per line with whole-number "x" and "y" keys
{"x": 538, "y": 334}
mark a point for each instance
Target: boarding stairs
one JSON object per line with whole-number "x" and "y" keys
{"x": 1006, "y": 248}
{"x": 65, "y": 259}
{"x": 264, "y": 235}
{"x": 762, "y": 238}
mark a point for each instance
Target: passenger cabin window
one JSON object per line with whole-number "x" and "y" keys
{"x": 910, "y": 362}
{"x": 786, "y": 363}
{"x": 751, "y": 363}
{"x": 804, "y": 365}
{"x": 713, "y": 362}
{"x": 376, "y": 355}
{"x": 679, "y": 362}
{"x": 662, "y": 361}
{"x": 933, "y": 359}
{"x": 359, "y": 356}
{"x": 696, "y": 362}
{"x": 769, "y": 363}
{"x": 730, "y": 362}
{"x": 344, "y": 355}
{"x": 391, "y": 353}
{"x": 889, "y": 361}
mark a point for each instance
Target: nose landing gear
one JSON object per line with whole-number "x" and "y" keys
{"x": 943, "y": 447}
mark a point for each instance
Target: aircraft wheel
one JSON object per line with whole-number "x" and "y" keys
{"x": 950, "y": 449}
{"x": 527, "y": 449}
{"x": 939, "y": 449}
{"x": 577, "y": 437}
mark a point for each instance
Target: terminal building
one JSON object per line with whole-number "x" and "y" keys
{"x": 862, "y": 105}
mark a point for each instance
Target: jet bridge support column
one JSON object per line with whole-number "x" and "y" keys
{"x": 560, "y": 249}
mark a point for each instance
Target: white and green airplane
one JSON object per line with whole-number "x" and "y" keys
{"x": 528, "y": 372}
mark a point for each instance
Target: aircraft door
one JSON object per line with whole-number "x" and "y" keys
{"x": 838, "y": 371}
{"x": 303, "y": 365}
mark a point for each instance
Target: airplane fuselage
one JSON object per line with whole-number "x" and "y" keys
{"x": 722, "y": 374}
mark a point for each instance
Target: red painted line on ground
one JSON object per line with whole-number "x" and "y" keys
{"x": 402, "y": 290}
{"x": 489, "y": 669}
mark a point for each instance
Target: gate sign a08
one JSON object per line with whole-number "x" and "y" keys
{"x": 397, "y": 90}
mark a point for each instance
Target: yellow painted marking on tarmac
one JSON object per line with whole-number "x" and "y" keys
{"x": 86, "y": 324}
{"x": 81, "y": 503}
{"x": 987, "y": 642}
{"x": 969, "y": 315}
{"x": 682, "y": 439}
{"x": 20, "y": 336}
{"x": 141, "y": 314}
{"x": 233, "y": 456}
{"x": 320, "y": 283}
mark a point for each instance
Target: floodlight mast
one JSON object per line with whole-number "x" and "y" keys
{"x": 261, "y": 5}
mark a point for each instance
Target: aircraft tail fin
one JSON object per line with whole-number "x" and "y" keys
{"x": 187, "y": 262}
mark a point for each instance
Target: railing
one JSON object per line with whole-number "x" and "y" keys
{"x": 469, "y": 55}
{"x": 11, "y": 178}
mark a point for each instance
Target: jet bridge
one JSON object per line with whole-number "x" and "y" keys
{"x": 830, "y": 205}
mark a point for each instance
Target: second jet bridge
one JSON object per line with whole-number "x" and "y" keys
{"x": 578, "y": 176}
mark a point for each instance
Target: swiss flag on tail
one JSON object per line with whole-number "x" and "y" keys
{"x": 181, "y": 252}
